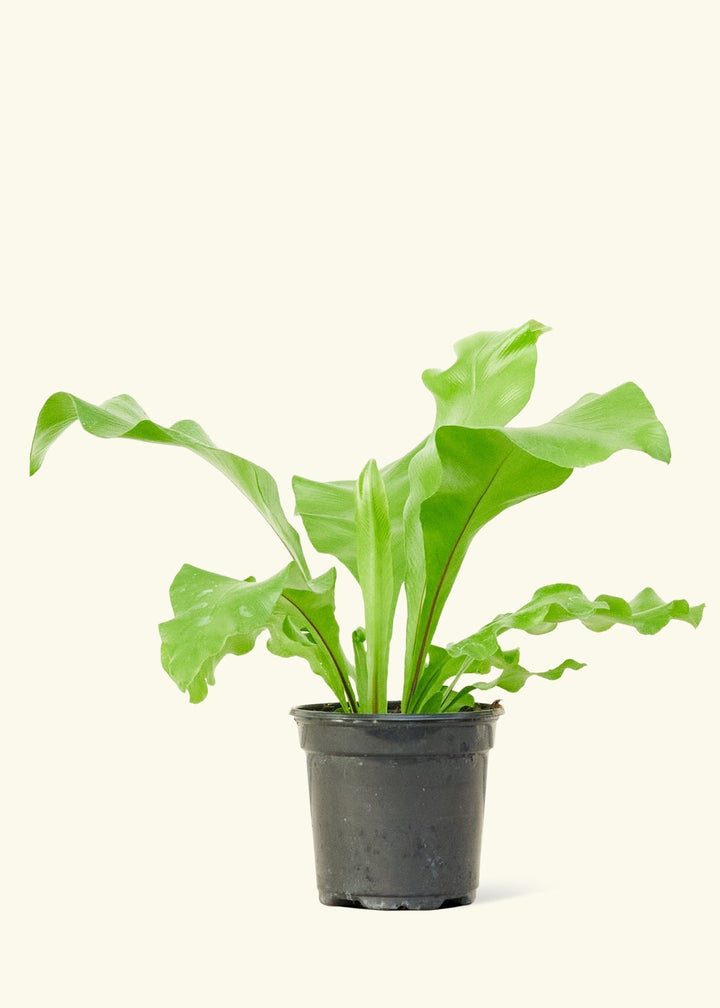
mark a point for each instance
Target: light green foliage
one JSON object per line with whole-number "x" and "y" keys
{"x": 408, "y": 523}
{"x": 466, "y": 476}
{"x": 214, "y": 616}
{"x": 122, "y": 417}
{"x": 481, "y": 653}
{"x": 375, "y": 573}
{"x": 304, "y": 626}
{"x": 328, "y": 514}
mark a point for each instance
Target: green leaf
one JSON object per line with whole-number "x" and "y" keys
{"x": 463, "y": 481}
{"x": 214, "y": 616}
{"x": 513, "y": 675}
{"x": 491, "y": 380}
{"x": 217, "y": 615}
{"x": 558, "y": 603}
{"x": 447, "y": 701}
{"x": 328, "y": 514}
{"x": 375, "y": 573}
{"x": 463, "y": 477}
{"x": 446, "y": 667}
{"x": 411, "y": 522}
{"x": 123, "y": 417}
{"x": 595, "y": 427}
{"x": 304, "y": 626}
{"x": 361, "y": 668}
{"x": 440, "y": 668}
{"x": 480, "y": 653}
{"x": 489, "y": 383}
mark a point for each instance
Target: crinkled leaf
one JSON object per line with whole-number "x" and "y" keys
{"x": 123, "y": 417}
{"x": 513, "y": 675}
{"x": 217, "y": 615}
{"x": 448, "y": 668}
{"x": 214, "y": 616}
{"x": 558, "y": 603}
{"x": 482, "y": 653}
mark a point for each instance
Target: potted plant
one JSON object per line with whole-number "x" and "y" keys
{"x": 397, "y": 788}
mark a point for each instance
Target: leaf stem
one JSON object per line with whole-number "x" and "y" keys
{"x": 465, "y": 667}
{"x": 361, "y": 668}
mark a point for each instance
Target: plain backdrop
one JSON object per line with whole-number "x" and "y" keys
{"x": 271, "y": 217}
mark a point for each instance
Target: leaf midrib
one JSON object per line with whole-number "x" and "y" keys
{"x": 443, "y": 576}
{"x": 328, "y": 649}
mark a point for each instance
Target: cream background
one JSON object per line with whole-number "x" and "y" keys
{"x": 271, "y": 218}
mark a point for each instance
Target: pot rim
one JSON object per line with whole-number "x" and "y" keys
{"x": 329, "y": 713}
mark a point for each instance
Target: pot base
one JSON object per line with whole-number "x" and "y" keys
{"x": 396, "y": 902}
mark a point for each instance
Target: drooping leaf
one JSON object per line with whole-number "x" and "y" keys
{"x": 303, "y": 625}
{"x": 214, "y": 616}
{"x": 464, "y": 477}
{"x": 123, "y": 417}
{"x": 375, "y": 574}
